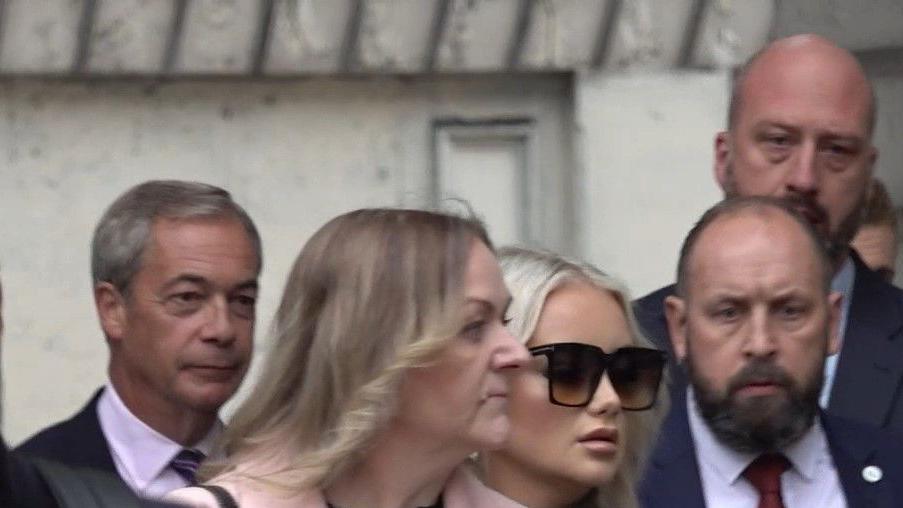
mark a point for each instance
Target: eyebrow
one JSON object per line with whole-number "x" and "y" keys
{"x": 831, "y": 133}
{"x": 202, "y": 281}
{"x": 192, "y": 279}
{"x": 487, "y": 306}
{"x": 775, "y": 123}
{"x": 249, "y": 284}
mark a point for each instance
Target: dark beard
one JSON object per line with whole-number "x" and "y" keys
{"x": 758, "y": 424}
{"x": 836, "y": 243}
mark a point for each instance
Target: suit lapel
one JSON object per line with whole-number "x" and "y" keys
{"x": 871, "y": 363}
{"x": 852, "y": 450}
{"x": 672, "y": 477}
{"x": 91, "y": 447}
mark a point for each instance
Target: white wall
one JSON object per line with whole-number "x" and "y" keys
{"x": 646, "y": 148}
{"x": 889, "y": 168}
{"x": 294, "y": 153}
{"x": 888, "y": 132}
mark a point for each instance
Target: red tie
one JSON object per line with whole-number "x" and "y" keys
{"x": 764, "y": 474}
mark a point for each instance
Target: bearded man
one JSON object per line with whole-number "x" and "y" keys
{"x": 752, "y": 322}
{"x": 800, "y": 126}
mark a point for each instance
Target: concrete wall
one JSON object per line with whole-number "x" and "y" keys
{"x": 888, "y": 132}
{"x": 646, "y": 149}
{"x": 294, "y": 153}
{"x": 297, "y": 152}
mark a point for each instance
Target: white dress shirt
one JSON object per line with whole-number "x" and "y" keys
{"x": 843, "y": 284}
{"x": 141, "y": 454}
{"x": 811, "y": 480}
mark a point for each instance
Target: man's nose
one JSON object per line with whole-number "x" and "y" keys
{"x": 760, "y": 341}
{"x": 803, "y": 177}
{"x": 219, "y": 327}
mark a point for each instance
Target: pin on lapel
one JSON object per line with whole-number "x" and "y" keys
{"x": 872, "y": 474}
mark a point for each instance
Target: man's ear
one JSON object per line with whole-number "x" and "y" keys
{"x": 676, "y": 315}
{"x": 722, "y": 158}
{"x": 111, "y": 311}
{"x": 835, "y": 305}
{"x": 872, "y": 158}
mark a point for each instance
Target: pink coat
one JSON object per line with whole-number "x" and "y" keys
{"x": 463, "y": 490}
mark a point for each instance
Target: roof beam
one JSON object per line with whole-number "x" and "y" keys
{"x": 174, "y": 41}
{"x": 352, "y": 36}
{"x": 521, "y": 28}
{"x": 2, "y": 19}
{"x": 691, "y": 34}
{"x": 83, "y": 41}
{"x": 606, "y": 33}
{"x": 437, "y": 31}
{"x": 262, "y": 39}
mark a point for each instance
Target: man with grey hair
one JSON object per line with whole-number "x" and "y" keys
{"x": 175, "y": 267}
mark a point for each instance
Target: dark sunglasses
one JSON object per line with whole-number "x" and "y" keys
{"x": 575, "y": 370}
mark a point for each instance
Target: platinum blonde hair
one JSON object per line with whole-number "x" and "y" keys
{"x": 531, "y": 276}
{"x": 373, "y": 293}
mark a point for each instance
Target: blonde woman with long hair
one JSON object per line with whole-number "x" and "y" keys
{"x": 585, "y": 412}
{"x": 390, "y": 366}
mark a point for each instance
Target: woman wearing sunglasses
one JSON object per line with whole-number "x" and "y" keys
{"x": 586, "y": 410}
{"x": 390, "y": 366}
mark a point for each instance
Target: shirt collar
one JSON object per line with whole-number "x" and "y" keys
{"x": 807, "y": 451}
{"x": 843, "y": 280}
{"x": 729, "y": 464}
{"x": 142, "y": 451}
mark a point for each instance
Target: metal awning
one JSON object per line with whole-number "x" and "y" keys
{"x": 324, "y": 37}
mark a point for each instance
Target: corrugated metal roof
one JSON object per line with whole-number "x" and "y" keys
{"x": 317, "y": 37}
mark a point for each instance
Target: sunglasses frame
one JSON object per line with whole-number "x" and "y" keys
{"x": 548, "y": 350}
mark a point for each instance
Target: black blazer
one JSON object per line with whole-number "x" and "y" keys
{"x": 34, "y": 483}
{"x": 672, "y": 476}
{"x": 868, "y": 383}
{"x": 21, "y": 484}
{"x": 78, "y": 441}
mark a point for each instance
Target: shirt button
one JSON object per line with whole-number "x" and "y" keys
{"x": 872, "y": 474}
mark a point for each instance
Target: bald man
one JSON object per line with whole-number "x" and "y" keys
{"x": 752, "y": 322}
{"x": 800, "y": 125}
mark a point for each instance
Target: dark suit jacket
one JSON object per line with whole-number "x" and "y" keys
{"x": 868, "y": 383}
{"x": 35, "y": 483}
{"x": 672, "y": 476}
{"x": 20, "y": 482}
{"x": 78, "y": 441}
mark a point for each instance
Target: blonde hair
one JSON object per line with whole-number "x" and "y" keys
{"x": 879, "y": 208}
{"x": 372, "y": 294}
{"x": 531, "y": 276}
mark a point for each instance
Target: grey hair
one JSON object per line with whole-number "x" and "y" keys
{"x": 124, "y": 230}
{"x": 531, "y": 276}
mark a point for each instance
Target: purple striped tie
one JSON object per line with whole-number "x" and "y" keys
{"x": 186, "y": 464}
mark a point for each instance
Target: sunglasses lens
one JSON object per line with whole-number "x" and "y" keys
{"x": 574, "y": 375}
{"x": 635, "y": 374}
